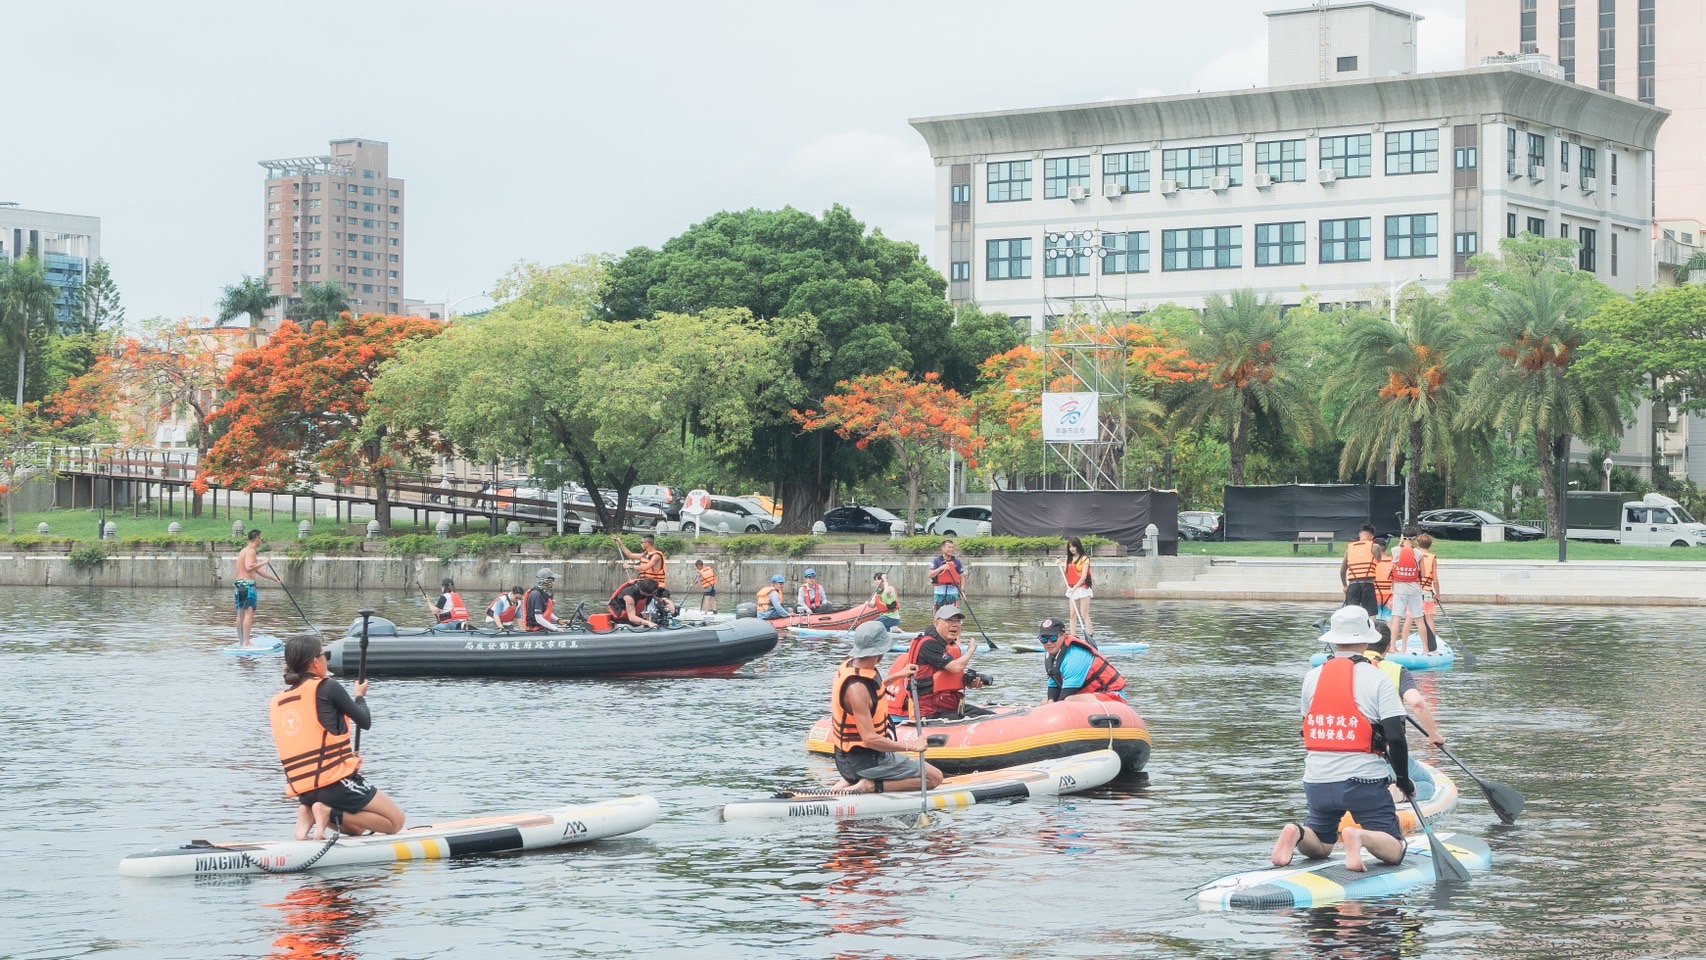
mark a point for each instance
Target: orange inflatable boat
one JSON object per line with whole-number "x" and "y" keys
{"x": 1014, "y": 736}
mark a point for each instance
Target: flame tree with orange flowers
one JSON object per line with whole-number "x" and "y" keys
{"x": 297, "y": 411}
{"x": 918, "y": 419}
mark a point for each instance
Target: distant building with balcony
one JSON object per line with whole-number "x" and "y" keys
{"x": 66, "y": 243}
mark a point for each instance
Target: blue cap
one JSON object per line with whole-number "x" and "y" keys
{"x": 778, "y": 578}
{"x": 811, "y": 572}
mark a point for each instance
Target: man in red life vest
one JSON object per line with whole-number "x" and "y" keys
{"x": 866, "y": 754}
{"x": 1406, "y": 588}
{"x": 944, "y": 670}
{"x": 946, "y": 575}
{"x": 1353, "y": 729}
{"x": 449, "y": 608}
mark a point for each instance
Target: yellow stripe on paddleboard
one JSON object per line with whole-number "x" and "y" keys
{"x": 1321, "y": 890}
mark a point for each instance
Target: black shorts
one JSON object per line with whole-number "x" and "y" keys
{"x": 863, "y": 763}
{"x": 710, "y": 591}
{"x": 352, "y": 794}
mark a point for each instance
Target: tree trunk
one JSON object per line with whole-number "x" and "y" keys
{"x": 913, "y": 479}
{"x": 381, "y": 501}
{"x": 1413, "y": 489}
{"x": 1240, "y": 446}
{"x": 20, "y": 378}
{"x": 1548, "y": 479}
{"x": 805, "y": 493}
{"x": 11, "y": 522}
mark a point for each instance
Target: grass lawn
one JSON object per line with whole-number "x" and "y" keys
{"x": 1455, "y": 549}
{"x": 80, "y": 524}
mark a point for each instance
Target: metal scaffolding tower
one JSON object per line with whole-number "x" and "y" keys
{"x": 1080, "y": 363}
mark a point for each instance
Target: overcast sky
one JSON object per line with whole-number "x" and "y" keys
{"x": 546, "y": 130}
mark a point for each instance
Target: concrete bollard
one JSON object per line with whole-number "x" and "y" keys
{"x": 897, "y": 529}
{"x": 41, "y": 528}
{"x": 109, "y": 531}
{"x": 818, "y": 529}
{"x": 236, "y": 529}
{"x": 586, "y": 528}
{"x": 723, "y": 528}
{"x": 513, "y": 528}
{"x": 373, "y": 529}
{"x": 443, "y": 529}
{"x": 174, "y": 528}
{"x": 303, "y": 529}
{"x": 1151, "y": 540}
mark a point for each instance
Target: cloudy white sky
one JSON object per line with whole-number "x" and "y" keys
{"x": 550, "y": 129}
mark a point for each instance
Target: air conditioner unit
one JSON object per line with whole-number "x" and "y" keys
{"x": 1264, "y": 180}
{"x": 1077, "y": 193}
{"x": 1169, "y": 186}
{"x": 1590, "y": 184}
{"x": 1112, "y": 191}
{"x": 1536, "y": 173}
{"x": 1219, "y": 183}
{"x": 1325, "y": 175}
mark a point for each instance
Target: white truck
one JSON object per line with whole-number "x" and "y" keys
{"x": 1652, "y": 521}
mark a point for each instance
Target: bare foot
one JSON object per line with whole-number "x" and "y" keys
{"x": 322, "y": 817}
{"x": 1352, "y": 837}
{"x": 1286, "y": 846}
{"x": 863, "y": 786}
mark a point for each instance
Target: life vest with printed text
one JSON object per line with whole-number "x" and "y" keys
{"x": 313, "y": 756}
{"x": 458, "y": 612}
{"x": 1405, "y": 567}
{"x": 1334, "y": 723}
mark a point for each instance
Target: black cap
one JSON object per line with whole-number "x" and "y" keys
{"x": 447, "y": 582}
{"x": 1050, "y": 627}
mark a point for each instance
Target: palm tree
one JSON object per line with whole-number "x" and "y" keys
{"x": 1695, "y": 264}
{"x": 254, "y": 297}
{"x": 1405, "y": 380}
{"x": 320, "y": 301}
{"x": 1252, "y": 369}
{"x": 27, "y": 304}
{"x": 1525, "y": 346}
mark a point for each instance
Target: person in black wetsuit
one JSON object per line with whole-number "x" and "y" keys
{"x": 628, "y": 604}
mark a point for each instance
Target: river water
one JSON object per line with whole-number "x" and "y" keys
{"x": 132, "y": 732}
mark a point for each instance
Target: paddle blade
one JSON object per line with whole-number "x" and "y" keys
{"x": 1447, "y": 868}
{"x": 1469, "y": 661}
{"x": 1506, "y": 802}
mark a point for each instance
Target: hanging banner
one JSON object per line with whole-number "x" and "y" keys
{"x": 1070, "y": 418}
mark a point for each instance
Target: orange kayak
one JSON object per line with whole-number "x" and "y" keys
{"x": 835, "y": 620}
{"x": 1015, "y": 736}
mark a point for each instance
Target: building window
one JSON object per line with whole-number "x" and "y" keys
{"x": 1510, "y": 224}
{"x": 1567, "y": 38}
{"x": 351, "y": 271}
{"x": 1612, "y": 154}
{"x": 1537, "y": 226}
{"x": 958, "y": 193}
{"x": 1529, "y": 27}
{"x": 1588, "y": 258}
{"x": 367, "y": 175}
{"x": 272, "y": 240}
{"x": 367, "y": 288}
{"x": 1614, "y": 253}
{"x": 1007, "y": 259}
{"x": 958, "y": 270}
{"x": 1061, "y": 174}
{"x": 272, "y": 191}
{"x": 367, "y": 272}
{"x": 272, "y": 255}
{"x": 395, "y": 193}
{"x": 1608, "y": 45}
{"x": 272, "y": 208}
{"x": 1466, "y": 158}
{"x": 1279, "y": 244}
{"x": 394, "y": 242}
{"x": 1129, "y": 170}
{"x": 1347, "y": 64}
{"x": 1510, "y": 150}
{"x": 1589, "y": 165}
{"x": 1009, "y": 181}
{"x": 966, "y": 199}
{"x": 1349, "y": 156}
{"x": 367, "y": 207}
{"x": 393, "y": 273}
{"x": 1466, "y": 244}
{"x": 1563, "y": 230}
{"x": 1127, "y": 252}
{"x": 1412, "y": 236}
{"x": 1193, "y": 167}
{"x": 1346, "y": 241}
{"x": 314, "y": 269}
{"x": 1412, "y": 151}
{"x": 1283, "y": 160}
{"x": 1536, "y": 153}
{"x": 1066, "y": 254}
{"x": 1644, "y": 51}
{"x": 393, "y": 292}
{"x": 393, "y": 258}
{"x": 1202, "y": 248}
{"x": 367, "y": 191}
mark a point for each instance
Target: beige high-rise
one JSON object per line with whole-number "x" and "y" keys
{"x": 337, "y": 217}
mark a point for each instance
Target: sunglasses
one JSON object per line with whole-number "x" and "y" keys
{"x": 1048, "y": 639}
{"x": 324, "y": 655}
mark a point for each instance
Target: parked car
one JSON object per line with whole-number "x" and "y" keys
{"x": 528, "y": 498}
{"x": 856, "y": 519}
{"x": 1467, "y": 524}
{"x": 771, "y": 505}
{"x": 665, "y": 498}
{"x": 960, "y": 522}
{"x": 741, "y": 517}
{"x": 759, "y": 505}
{"x": 1192, "y": 528}
{"x": 1206, "y": 521}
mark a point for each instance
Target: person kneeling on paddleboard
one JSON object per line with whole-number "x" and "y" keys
{"x": 1353, "y": 730}
{"x": 867, "y": 756}
{"x": 311, "y": 728}
{"x": 1075, "y": 667}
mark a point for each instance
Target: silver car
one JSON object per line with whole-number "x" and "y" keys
{"x": 740, "y": 515}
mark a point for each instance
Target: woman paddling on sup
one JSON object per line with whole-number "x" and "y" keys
{"x": 311, "y": 727}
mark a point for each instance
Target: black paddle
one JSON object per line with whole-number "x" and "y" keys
{"x": 1457, "y": 635}
{"x": 1447, "y": 868}
{"x": 990, "y": 643}
{"x": 361, "y": 669}
{"x": 298, "y": 607}
{"x": 1505, "y": 801}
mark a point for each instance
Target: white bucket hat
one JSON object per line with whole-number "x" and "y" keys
{"x": 1349, "y": 626}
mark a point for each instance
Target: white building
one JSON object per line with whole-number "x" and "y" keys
{"x": 1335, "y": 188}
{"x": 66, "y": 243}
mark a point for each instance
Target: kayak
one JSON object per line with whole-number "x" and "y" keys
{"x": 1442, "y": 658}
{"x": 680, "y": 651}
{"x": 1112, "y": 646}
{"x": 1315, "y": 883}
{"x": 257, "y": 647}
{"x": 1013, "y": 736}
{"x": 834, "y": 620}
{"x": 497, "y": 834}
{"x": 1085, "y": 771}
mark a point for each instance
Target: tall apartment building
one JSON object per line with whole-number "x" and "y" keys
{"x": 337, "y": 217}
{"x": 66, "y": 243}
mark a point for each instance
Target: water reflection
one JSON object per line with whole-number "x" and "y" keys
{"x": 319, "y": 919}
{"x": 1357, "y": 931}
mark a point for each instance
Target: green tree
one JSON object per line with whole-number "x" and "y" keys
{"x": 1518, "y": 259}
{"x": 27, "y": 305}
{"x": 1695, "y": 264}
{"x": 320, "y": 301}
{"x": 1659, "y": 337}
{"x": 98, "y": 305}
{"x": 1526, "y": 381}
{"x": 1403, "y": 381}
{"x": 253, "y": 296}
{"x": 860, "y": 304}
{"x": 1251, "y": 370}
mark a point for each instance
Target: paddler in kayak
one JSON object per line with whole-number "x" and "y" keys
{"x": 311, "y": 727}
{"x": 867, "y": 756}
{"x": 1353, "y": 730}
{"x": 812, "y": 597}
{"x": 1075, "y": 668}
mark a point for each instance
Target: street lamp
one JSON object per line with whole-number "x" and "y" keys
{"x": 449, "y": 304}
{"x": 1607, "y": 466}
{"x": 1392, "y": 296}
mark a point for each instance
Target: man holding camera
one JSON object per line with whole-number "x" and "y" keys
{"x": 944, "y": 670}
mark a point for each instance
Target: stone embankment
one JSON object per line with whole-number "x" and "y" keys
{"x": 848, "y": 577}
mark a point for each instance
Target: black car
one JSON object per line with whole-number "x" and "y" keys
{"x": 1467, "y": 524}
{"x": 1191, "y": 528}
{"x": 857, "y": 519}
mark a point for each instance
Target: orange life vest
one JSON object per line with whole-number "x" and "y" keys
{"x": 1405, "y": 566}
{"x": 1334, "y": 723}
{"x": 652, "y": 565}
{"x": 707, "y": 577}
{"x": 1078, "y": 570}
{"x": 527, "y": 621}
{"x": 1102, "y": 677}
{"x": 764, "y": 592}
{"x": 458, "y": 612}
{"x": 1359, "y": 560}
{"x": 1383, "y": 582}
{"x": 618, "y": 609}
{"x": 508, "y": 616}
{"x": 938, "y": 689}
{"x": 813, "y": 595}
{"x": 842, "y": 726}
{"x": 1427, "y": 568}
{"x": 313, "y": 756}
{"x": 946, "y": 575}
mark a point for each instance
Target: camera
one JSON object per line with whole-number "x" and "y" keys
{"x": 983, "y": 678}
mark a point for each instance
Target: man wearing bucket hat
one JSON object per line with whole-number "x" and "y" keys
{"x": 867, "y": 756}
{"x": 812, "y": 597}
{"x": 1353, "y": 729}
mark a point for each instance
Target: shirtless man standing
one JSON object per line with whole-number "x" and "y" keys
{"x": 249, "y": 566}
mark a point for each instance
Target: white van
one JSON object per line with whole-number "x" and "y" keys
{"x": 1658, "y": 521}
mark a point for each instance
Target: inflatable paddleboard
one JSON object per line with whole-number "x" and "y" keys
{"x": 258, "y": 646}
{"x": 1314, "y": 883}
{"x": 1050, "y": 778}
{"x": 1443, "y": 657}
{"x": 498, "y": 834}
{"x": 1113, "y": 646}
{"x": 812, "y": 633}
